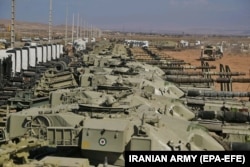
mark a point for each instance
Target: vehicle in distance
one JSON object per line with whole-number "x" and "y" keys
{"x": 30, "y": 44}
{"x": 45, "y": 39}
{"x": 25, "y": 39}
{"x": 36, "y": 39}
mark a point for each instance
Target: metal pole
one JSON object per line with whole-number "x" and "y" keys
{"x": 91, "y": 31}
{"x": 87, "y": 29}
{"x": 13, "y": 23}
{"x": 84, "y": 34}
{"x": 81, "y": 29}
{"x": 66, "y": 26}
{"x": 50, "y": 20}
{"x": 73, "y": 29}
{"x": 77, "y": 28}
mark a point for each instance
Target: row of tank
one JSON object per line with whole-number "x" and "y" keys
{"x": 197, "y": 81}
{"x": 104, "y": 103}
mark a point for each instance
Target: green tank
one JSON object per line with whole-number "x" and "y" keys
{"x": 111, "y": 106}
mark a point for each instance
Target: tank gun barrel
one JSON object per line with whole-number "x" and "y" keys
{"x": 188, "y": 67}
{"x": 206, "y": 80}
{"x": 194, "y": 73}
{"x": 38, "y": 69}
{"x": 170, "y": 63}
{"x": 227, "y": 116}
{"x": 226, "y": 73}
{"x": 171, "y": 59}
{"x": 189, "y": 80}
{"x": 29, "y": 74}
{"x": 204, "y": 93}
{"x": 163, "y": 61}
{"x": 228, "y": 80}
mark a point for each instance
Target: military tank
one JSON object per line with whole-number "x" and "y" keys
{"x": 119, "y": 105}
{"x": 105, "y": 131}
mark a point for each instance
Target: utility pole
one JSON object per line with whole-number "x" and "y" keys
{"x": 91, "y": 31}
{"x": 81, "y": 29}
{"x": 13, "y": 8}
{"x": 77, "y": 27}
{"x": 66, "y": 26}
{"x": 50, "y": 20}
{"x": 87, "y": 30}
{"x": 73, "y": 29}
{"x": 84, "y": 30}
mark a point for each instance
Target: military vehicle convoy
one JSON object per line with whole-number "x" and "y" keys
{"x": 103, "y": 102}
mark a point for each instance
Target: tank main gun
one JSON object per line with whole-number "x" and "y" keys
{"x": 228, "y": 80}
{"x": 188, "y": 80}
{"x": 206, "y": 80}
{"x": 194, "y": 73}
{"x": 205, "y": 93}
{"x": 162, "y": 61}
{"x": 187, "y": 67}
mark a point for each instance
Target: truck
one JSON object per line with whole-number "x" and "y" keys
{"x": 210, "y": 52}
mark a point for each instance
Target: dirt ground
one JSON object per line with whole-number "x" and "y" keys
{"x": 239, "y": 62}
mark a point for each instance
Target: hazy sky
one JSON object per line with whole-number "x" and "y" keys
{"x": 139, "y": 15}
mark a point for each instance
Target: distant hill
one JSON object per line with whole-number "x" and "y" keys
{"x": 30, "y": 25}
{"x": 26, "y": 26}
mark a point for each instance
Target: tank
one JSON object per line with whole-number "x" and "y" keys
{"x": 107, "y": 133}
{"x": 104, "y": 104}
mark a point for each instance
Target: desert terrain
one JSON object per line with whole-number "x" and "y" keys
{"x": 238, "y": 62}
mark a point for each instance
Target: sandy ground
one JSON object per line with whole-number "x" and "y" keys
{"x": 237, "y": 62}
